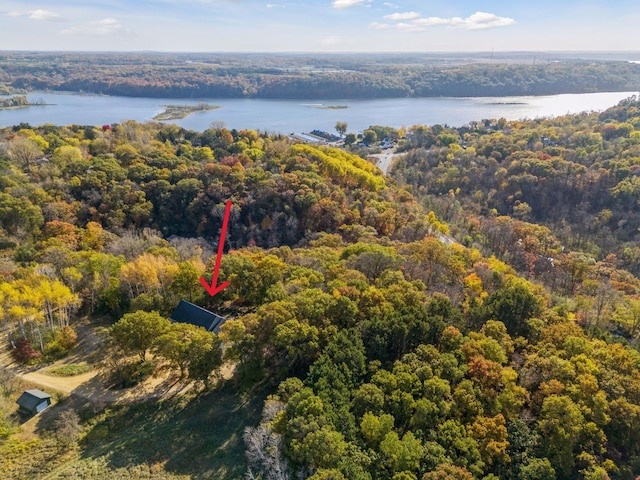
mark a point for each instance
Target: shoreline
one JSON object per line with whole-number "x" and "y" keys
{"x": 322, "y": 106}
{"x": 18, "y": 107}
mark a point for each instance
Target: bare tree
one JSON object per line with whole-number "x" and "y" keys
{"x": 264, "y": 447}
{"x": 67, "y": 427}
{"x": 9, "y": 383}
{"x": 133, "y": 243}
{"x": 189, "y": 248}
{"x": 24, "y": 151}
{"x": 217, "y": 125}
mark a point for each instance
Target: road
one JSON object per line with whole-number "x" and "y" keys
{"x": 383, "y": 162}
{"x": 384, "y": 159}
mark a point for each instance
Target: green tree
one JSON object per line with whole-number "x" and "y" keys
{"x": 341, "y": 128}
{"x": 203, "y": 154}
{"x": 66, "y": 154}
{"x": 448, "y": 472}
{"x": 139, "y": 331}
{"x": 5, "y": 427}
{"x": 126, "y": 153}
{"x": 537, "y": 469}
{"x": 513, "y": 305}
{"x": 206, "y": 356}
{"x": 322, "y": 448}
{"x": 186, "y": 282}
{"x": 324, "y": 474}
{"x": 374, "y": 428}
{"x": 561, "y": 423}
{"x": 18, "y": 216}
{"x": 369, "y": 137}
{"x": 297, "y": 342}
{"x": 400, "y": 455}
{"x": 191, "y": 349}
{"x": 350, "y": 139}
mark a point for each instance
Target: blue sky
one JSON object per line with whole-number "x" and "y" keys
{"x": 319, "y": 25}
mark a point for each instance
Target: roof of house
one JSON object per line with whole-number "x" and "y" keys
{"x": 187, "y": 312}
{"x": 31, "y": 398}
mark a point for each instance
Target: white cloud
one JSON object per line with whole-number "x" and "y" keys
{"x": 391, "y": 5}
{"x": 348, "y": 3}
{"x": 275, "y": 5}
{"x": 379, "y": 26}
{"x": 477, "y": 21}
{"x": 402, "y": 16}
{"x": 434, "y": 21}
{"x": 106, "y": 26}
{"x": 481, "y": 20}
{"x": 35, "y": 14}
{"x": 42, "y": 15}
{"x": 409, "y": 27}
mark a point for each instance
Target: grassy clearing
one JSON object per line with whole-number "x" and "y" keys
{"x": 188, "y": 436}
{"x": 70, "y": 370}
{"x": 199, "y": 436}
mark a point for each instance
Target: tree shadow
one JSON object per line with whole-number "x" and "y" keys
{"x": 195, "y": 433}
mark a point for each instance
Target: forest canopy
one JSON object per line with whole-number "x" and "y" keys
{"x": 474, "y": 316}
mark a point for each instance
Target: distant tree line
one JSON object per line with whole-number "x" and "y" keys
{"x": 290, "y": 77}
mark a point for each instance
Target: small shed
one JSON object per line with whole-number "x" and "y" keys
{"x": 187, "y": 312}
{"x": 33, "y": 402}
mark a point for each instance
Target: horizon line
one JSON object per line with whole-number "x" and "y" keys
{"x": 328, "y": 52}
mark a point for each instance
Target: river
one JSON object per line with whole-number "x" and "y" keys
{"x": 297, "y": 116}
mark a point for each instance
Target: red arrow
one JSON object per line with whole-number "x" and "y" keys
{"x": 212, "y": 289}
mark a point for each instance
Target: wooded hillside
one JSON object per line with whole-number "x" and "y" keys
{"x": 383, "y": 352}
{"x": 303, "y": 77}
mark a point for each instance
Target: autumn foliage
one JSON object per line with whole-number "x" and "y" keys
{"x": 391, "y": 339}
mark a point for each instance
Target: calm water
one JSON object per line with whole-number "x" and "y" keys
{"x": 302, "y": 116}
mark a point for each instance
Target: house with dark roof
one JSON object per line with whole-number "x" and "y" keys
{"x": 34, "y": 401}
{"x": 187, "y": 312}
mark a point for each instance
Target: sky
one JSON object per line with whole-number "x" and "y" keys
{"x": 320, "y": 25}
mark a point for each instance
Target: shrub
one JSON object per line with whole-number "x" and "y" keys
{"x": 147, "y": 302}
{"x": 67, "y": 337}
{"x": 70, "y": 370}
{"x": 129, "y": 374}
{"x": 63, "y": 341}
{"x": 23, "y": 351}
{"x": 5, "y": 428}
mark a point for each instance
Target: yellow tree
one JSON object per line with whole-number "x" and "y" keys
{"x": 148, "y": 274}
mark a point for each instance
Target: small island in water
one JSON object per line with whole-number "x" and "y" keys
{"x": 176, "y": 112}
{"x": 18, "y": 101}
{"x": 329, "y": 107}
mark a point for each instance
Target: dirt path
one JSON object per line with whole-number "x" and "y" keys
{"x": 61, "y": 384}
{"x": 90, "y": 385}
